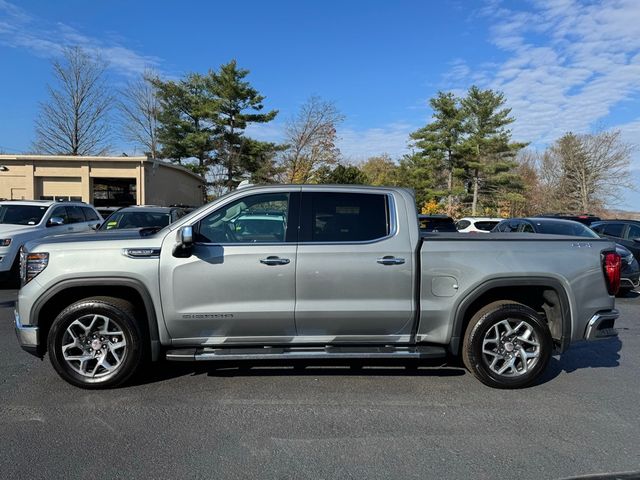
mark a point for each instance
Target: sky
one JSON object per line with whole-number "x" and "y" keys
{"x": 563, "y": 65}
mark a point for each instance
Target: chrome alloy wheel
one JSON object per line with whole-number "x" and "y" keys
{"x": 510, "y": 348}
{"x": 94, "y": 346}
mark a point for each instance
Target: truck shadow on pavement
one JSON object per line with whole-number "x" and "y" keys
{"x": 599, "y": 354}
{"x": 166, "y": 370}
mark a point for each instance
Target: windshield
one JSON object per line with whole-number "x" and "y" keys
{"x": 21, "y": 214}
{"x": 486, "y": 225}
{"x": 119, "y": 220}
{"x": 565, "y": 228}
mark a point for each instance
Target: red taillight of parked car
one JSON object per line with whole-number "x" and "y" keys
{"x": 612, "y": 264}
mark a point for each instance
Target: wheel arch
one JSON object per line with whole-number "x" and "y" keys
{"x": 545, "y": 293}
{"x": 61, "y": 295}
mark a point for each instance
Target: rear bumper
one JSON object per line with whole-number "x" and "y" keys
{"x": 601, "y": 325}
{"x": 28, "y": 337}
{"x": 630, "y": 282}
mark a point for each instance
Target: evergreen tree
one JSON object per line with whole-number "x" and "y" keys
{"x": 341, "y": 175}
{"x": 237, "y": 105}
{"x": 205, "y": 117}
{"x": 186, "y": 130}
{"x": 487, "y": 148}
{"x": 440, "y": 141}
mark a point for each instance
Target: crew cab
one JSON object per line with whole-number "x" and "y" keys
{"x": 307, "y": 272}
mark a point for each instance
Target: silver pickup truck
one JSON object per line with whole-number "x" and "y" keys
{"x": 309, "y": 272}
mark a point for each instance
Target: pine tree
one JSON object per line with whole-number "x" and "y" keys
{"x": 487, "y": 148}
{"x": 441, "y": 139}
{"x": 237, "y": 105}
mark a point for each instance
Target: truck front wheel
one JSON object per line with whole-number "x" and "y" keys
{"x": 507, "y": 345}
{"x": 96, "y": 342}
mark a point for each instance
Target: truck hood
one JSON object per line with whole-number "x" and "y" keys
{"x": 93, "y": 239}
{"x": 7, "y": 229}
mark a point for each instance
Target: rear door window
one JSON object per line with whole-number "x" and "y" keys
{"x": 344, "y": 217}
{"x": 89, "y": 214}
{"x": 75, "y": 215}
{"x": 633, "y": 232}
{"x": 613, "y": 229}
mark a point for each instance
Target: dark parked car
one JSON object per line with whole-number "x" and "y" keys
{"x": 630, "y": 268}
{"x": 624, "y": 232}
{"x": 585, "y": 219}
{"x": 106, "y": 211}
{"x": 142, "y": 217}
{"x": 436, "y": 223}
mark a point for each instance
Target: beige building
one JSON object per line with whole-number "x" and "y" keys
{"x": 102, "y": 181}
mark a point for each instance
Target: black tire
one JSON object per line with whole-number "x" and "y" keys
{"x": 487, "y": 318}
{"x": 121, "y": 313}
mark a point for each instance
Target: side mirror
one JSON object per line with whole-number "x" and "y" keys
{"x": 185, "y": 242}
{"x": 636, "y": 240}
{"x": 55, "y": 222}
{"x": 96, "y": 226}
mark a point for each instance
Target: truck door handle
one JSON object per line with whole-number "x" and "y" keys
{"x": 390, "y": 260}
{"x": 274, "y": 261}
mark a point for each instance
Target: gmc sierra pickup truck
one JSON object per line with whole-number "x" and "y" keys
{"x": 307, "y": 272}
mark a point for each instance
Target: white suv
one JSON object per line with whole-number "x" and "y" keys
{"x": 477, "y": 224}
{"x": 22, "y": 221}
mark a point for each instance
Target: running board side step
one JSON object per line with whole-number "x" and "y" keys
{"x": 304, "y": 353}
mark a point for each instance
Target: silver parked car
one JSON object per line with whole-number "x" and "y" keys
{"x": 22, "y": 221}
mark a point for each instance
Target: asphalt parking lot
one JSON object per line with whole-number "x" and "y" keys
{"x": 327, "y": 421}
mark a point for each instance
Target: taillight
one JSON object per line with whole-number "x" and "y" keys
{"x": 611, "y": 264}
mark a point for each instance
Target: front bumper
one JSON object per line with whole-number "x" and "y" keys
{"x": 601, "y": 325}
{"x": 28, "y": 337}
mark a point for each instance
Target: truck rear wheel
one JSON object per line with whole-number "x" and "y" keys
{"x": 96, "y": 342}
{"x": 507, "y": 345}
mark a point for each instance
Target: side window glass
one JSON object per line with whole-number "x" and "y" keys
{"x": 512, "y": 227}
{"x": 254, "y": 219}
{"x": 526, "y": 228}
{"x": 89, "y": 214}
{"x": 60, "y": 212}
{"x": 614, "y": 229}
{"x": 75, "y": 215}
{"x": 346, "y": 217}
{"x": 633, "y": 232}
{"x": 462, "y": 224}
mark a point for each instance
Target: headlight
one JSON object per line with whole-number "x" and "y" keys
{"x": 5, "y": 242}
{"x": 31, "y": 264}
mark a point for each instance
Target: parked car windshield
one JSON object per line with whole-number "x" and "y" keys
{"x": 119, "y": 220}
{"x": 21, "y": 214}
{"x": 486, "y": 225}
{"x": 565, "y": 228}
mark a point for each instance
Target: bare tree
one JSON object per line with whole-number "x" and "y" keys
{"x": 311, "y": 138}
{"x": 74, "y": 121}
{"x": 588, "y": 172}
{"x": 139, "y": 107}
